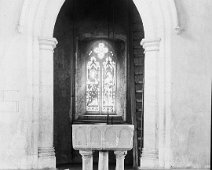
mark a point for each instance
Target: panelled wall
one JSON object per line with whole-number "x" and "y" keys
{"x": 68, "y": 28}
{"x": 138, "y": 55}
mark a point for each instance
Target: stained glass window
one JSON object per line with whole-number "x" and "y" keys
{"x": 108, "y": 85}
{"x": 93, "y": 85}
{"x": 101, "y": 80}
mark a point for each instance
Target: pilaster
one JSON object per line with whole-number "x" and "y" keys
{"x": 149, "y": 157}
{"x": 46, "y": 153}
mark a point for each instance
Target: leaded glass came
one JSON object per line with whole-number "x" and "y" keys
{"x": 108, "y": 85}
{"x": 101, "y": 80}
{"x": 93, "y": 85}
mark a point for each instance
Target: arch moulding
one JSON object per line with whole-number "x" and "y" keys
{"x": 159, "y": 19}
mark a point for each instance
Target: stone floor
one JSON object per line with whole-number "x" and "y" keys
{"x": 95, "y": 167}
{"x": 112, "y": 167}
{"x": 78, "y": 167}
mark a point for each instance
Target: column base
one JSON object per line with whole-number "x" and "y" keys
{"x": 149, "y": 160}
{"x": 46, "y": 158}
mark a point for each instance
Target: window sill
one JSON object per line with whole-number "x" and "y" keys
{"x": 91, "y": 119}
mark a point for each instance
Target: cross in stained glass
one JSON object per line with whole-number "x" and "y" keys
{"x": 101, "y": 50}
{"x": 101, "y": 80}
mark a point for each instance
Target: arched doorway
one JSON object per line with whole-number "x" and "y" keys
{"x": 81, "y": 25}
{"x": 159, "y": 19}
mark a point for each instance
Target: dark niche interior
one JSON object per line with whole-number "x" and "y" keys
{"x": 96, "y": 19}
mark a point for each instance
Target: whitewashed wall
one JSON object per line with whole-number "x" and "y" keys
{"x": 17, "y": 140}
{"x": 191, "y": 85}
{"x": 190, "y": 108}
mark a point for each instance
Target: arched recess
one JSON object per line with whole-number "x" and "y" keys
{"x": 159, "y": 18}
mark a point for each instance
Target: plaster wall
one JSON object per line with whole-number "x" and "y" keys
{"x": 190, "y": 90}
{"x": 17, "y": 140}
{"x": 191, "y": 85}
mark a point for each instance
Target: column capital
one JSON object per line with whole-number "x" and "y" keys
{"x": 151, "y": 44}
{"x": 87, "y": 159}
{"x": 120, "y": 156}
{"x": 86, "y": 154}
{"x": 120, "y": 153}
{"x": 47, "y": 43}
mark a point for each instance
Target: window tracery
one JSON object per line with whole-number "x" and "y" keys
{"x": 101, "y": 80}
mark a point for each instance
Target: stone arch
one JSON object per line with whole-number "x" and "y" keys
{"x": 159, "y": 18}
